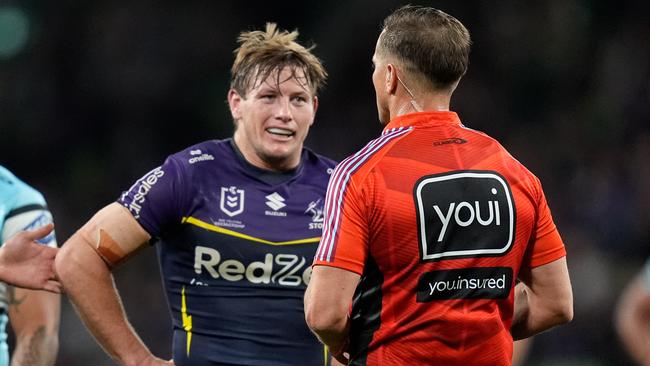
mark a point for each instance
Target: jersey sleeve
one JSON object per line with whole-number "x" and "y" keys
{"x": 29, "y": 212}
{"x": 344, "y": 243}
{"x": 546, "y": 244}
{"x": 157, "y": 199}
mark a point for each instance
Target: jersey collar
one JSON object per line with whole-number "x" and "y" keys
{"x": 422, "y": 119}
{"x": 268, "y": 176}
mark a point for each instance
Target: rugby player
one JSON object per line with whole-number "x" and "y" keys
{"x": 26, "y": 261}
{"x": 432, "y": 223}
{"x": 632, "y": 317}
{"x": 236, "y": 223}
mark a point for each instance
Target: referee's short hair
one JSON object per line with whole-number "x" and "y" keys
{"x": 427, "y": 41}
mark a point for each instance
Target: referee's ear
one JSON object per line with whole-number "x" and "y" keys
{"x": 391, "y": 79}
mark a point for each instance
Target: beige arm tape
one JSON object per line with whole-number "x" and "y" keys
{"x": 114, "y": 234}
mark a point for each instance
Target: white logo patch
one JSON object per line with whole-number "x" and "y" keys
{"x": 198, "y": 156}
{"x": 275, "y": 201}
{"x": 282, "y": 269}
{"x": 232, "y": 200}
{"x": 467, "y": 213}
{"x": 315, "y": 209}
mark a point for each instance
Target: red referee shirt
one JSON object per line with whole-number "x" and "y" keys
{"x": 438, "y": 219}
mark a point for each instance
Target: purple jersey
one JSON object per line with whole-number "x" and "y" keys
{"x": 236, "y": 244}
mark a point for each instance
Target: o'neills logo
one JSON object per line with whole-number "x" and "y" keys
{"x": 204, "y": 157}
{"x": 466, "y": 283}
{"x": 141, "y": 188}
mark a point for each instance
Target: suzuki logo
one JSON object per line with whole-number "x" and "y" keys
{"x": 275, "y": 201}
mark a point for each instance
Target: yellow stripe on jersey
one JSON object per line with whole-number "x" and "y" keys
{"x": 205, "y": 225}
{"x": 325, "y": 355}
{"x": 187, "y": 321}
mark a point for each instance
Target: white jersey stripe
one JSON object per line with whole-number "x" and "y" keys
{"x": 337, "y": 215}
{"x": 338, "y": 185}
{"x": 337, "y": 176}
{"x": 335, "y": 180}
{"x": 339, "y": 189}
{"x": 330, "y": 189}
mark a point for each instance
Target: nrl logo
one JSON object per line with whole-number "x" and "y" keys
{"x": 232, "y": 201}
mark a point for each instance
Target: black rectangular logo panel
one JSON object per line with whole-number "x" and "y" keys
{"x": 464, "y": 214}
{"x": 466, "y": 283}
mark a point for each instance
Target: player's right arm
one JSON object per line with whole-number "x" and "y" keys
{"x": 84, "y": 265}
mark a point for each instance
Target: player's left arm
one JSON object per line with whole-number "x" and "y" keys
{"x": 327, "y": 303}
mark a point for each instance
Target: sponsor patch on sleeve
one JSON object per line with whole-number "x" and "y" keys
{"x": 136, "y": 195}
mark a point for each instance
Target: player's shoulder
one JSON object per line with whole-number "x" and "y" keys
{"x": 202, "y": 152}
{"x": 318, "y": 161}
{"x": 15, "y": 190}
{"x": 7, "y": 178}
{"x": 194, "y": 159}
{"x": 316, "y": 169}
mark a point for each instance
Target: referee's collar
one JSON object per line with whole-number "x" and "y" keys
{"x": 420, "y": 119}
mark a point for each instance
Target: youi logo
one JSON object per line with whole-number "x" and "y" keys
{"x": 464, "y": 213}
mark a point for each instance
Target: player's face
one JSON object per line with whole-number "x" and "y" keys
{"x": 273, "y": 120}
{"x": 379, "y": 82}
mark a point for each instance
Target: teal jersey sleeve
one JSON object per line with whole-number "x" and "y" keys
{"x": 21, "y": 207}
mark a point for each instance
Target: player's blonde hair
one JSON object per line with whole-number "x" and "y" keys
{"x": 261, "y": 53}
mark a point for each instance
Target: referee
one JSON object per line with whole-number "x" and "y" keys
{"x": 433, "y": 223}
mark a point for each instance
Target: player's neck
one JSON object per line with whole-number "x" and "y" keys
{"x": 271, "y": 164}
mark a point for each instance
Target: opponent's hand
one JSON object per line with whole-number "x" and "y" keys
{"x": 28, "y": 264}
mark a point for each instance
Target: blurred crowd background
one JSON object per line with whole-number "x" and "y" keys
{"x": 93, "y": 94}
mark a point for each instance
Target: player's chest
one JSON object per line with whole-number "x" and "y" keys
{"x": 274, "y": 213}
